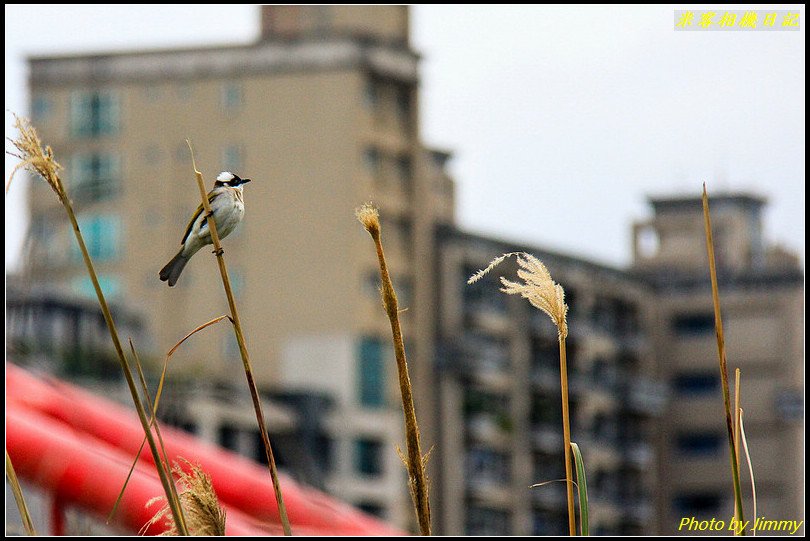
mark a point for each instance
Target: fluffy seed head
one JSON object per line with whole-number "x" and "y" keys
{"x": 537, "y": 287}
{"x": 369, "y": 216}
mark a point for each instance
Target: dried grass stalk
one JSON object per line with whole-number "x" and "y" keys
{"x": 721, "y": 353}
{"x": 204, "y": 515}
{"x": 243, "y": 351}
{"x": 417, "y": 477}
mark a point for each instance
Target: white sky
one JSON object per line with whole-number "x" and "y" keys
{"x": 563, "y": 120}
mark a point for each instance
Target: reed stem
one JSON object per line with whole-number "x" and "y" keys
{"x": 569, "y": 479}
{"x": 721, "y": 353}
{"x": 240, "y": 339}
{"x": 18, "y": 497}
{"x": 416, "y": 464}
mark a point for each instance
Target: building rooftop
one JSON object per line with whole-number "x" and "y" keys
{"x": 682, "y": 203}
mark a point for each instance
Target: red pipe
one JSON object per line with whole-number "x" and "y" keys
{"x": 239, "y": 482}
{"x": 79, "y": 470}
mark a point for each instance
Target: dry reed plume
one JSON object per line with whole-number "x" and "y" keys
{"x": 415, "y": 462}
{"x": 546, "y": 295}
{"x": 204, "y": 516}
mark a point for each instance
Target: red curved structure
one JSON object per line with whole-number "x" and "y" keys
{"x": 80, "y": 447}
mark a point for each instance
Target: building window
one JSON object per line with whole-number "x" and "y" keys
{"x": 95, "y": 176}
{"x": 487, "y": 466}
{"x": 405, "y": 173}
{"x": 230, "y": 348}
{"x": 110, "y": 286}
{"x": 41, "y": 108}
{"x": 697, "y": 504}
{"x": 368, "y": 457}
{"x": 229, "y": 437}
{"x": 94, "y": 113}
{"x": 549, "y": 522}
{"x": 371, "y": 376}
{"x": 102, "y": 234}
{"x": 699, "y": 444}
{"x": 485, "y": 521}
{"x": 696, "y": 383}
{"x": 232, "y": 96}
{"x": 404, "y": 103}
{"x": 693, "y": 324}
{"x": 371, "y": 94}
{"x": 372, "y": 508}
{"x": 371, "y": 160}
{"x": 232, "y": 159}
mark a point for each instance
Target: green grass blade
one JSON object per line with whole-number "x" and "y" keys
{"x": 582, "y": 488}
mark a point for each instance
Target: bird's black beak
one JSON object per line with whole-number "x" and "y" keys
{"x": 245, "y": 180}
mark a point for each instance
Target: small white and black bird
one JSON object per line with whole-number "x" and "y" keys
{"x": 228, "y": 206}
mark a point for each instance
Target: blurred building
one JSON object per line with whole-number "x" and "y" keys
{"x": 498, "y": 380}
{"x": 322, "y": 112}
{"x": 761, "y": 296}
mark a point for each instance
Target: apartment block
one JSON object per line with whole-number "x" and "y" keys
{"x": 322, "y": 114}
{"x": 499, "y": 394}
{"x": 761, "y": 296}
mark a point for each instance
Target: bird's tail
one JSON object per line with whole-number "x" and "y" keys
{"x": 173, "y": 268}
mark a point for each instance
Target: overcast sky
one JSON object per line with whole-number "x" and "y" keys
{"x": 562, "y": 120}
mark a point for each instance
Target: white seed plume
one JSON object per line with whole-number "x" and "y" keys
{"x": 539, "y": 288}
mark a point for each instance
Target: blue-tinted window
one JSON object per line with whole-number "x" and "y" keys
{"x": 699, "y": 443}
{"x": 41, "y": 107}
{"x": 696, "y": 383}
{"x": 693, "y": 324}
{"x": 110, "y": 286}
{"x": 102, "y": 235}
{"x": 94, "y": 113}
{"x": 94, "y": 176}
{"x": 368, "y": 457}
{"x": 372, "y": 160}
{"x": 232, "y": 95}
{"x": 371, "y": 376}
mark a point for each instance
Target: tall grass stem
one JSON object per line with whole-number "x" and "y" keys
{"x": 721, "y": 353}
{"x": 240, "y": 339}
{"x": 418, "y": 481}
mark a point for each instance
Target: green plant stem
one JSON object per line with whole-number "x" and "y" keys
{"x": 582, "y": 489}
{"x": 569, "y": 479}
{"x": 18, "y": 496}
{"x": 415, "y": 463}
{"x": 177, "y": 511}
{"x": 240, "y": 339}
{"x": 721, "y": 352}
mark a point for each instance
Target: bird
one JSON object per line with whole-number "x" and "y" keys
{"x": 228, "y": 206}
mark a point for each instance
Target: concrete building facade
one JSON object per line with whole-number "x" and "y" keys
{"x": 761, "y": 297}
{"x": 323, "y": 114}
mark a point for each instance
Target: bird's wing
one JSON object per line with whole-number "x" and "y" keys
{"x": 194, "y": 217}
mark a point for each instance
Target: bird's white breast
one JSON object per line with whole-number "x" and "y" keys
{"x": 229, "y": 209}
